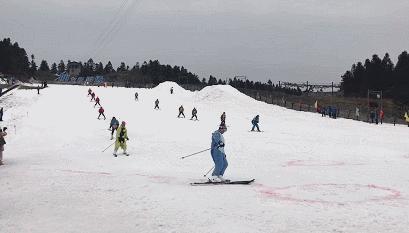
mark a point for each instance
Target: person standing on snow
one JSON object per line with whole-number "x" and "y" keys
{"x": 223, "y": 118}
{"x": 136, "y": 96}
{"x": 121, "y": 138}
{"x": 92, "y": 96}
{"x": 97, "y": 102}
{"x": 2, "y": 143}
{"x": 372, "y": 116}
{"x": 171, "y": 90}
{"x": 218, "y": 155}
{"x": 381, "y": 115}
{"x": 357, "y": 113}
{"x": 1, "y": 114}
{"x": 101, "y": 112}
{"x": 407, "y": 118}
{"x": 181, "y": 109}
{"x": 89, "y": 91}
{"x": 255, "y": 123}
{"x": 157, "y": 104}
{"x": 113, "y": 126}
{"x": 194, "y": 114}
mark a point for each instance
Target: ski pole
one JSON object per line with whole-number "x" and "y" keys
{"x": 194, "y": 153}
{"x": 108, "y": 147}
{"x": 208, "y": 171}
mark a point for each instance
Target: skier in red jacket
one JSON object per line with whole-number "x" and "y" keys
{"x": 101, "y": 112}
{"x": 97, "y": 102}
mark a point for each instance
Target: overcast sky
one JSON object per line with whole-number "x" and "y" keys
{"x": 287, "y": 40}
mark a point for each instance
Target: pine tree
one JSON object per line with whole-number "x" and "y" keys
{"x": 61, "y": 67}
{"x": 44, "y": 66}
{"x": 108, "y": 68}
{"x": 54, "y": 69}
{"x": 33, "y": 65}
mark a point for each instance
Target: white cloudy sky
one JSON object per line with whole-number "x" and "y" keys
{"x": 293, "y": 40}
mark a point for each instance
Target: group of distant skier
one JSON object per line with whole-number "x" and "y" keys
{"x": 121, "y": 131}
{"x": 97, "y": 102}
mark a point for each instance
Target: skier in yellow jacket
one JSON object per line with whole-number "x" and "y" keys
{"x": 121, "y": 138}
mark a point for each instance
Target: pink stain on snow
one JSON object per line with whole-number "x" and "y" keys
{"x": 86, "y": 172}
{"x": 277, "y": 193}
{"x": 310, "y": 163}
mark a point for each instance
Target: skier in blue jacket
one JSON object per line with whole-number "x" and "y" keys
{"x": 255, "y": 123}
{"x": 218, "y": 155}
{"x": 113, "y": 126}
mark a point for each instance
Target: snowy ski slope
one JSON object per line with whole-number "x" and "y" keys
{"x": 312, "y": 174}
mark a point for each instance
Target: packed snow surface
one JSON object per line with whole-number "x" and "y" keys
{"x": 312, "y": 174}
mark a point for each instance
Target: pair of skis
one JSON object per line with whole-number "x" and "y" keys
{"x": 227, "y": 182}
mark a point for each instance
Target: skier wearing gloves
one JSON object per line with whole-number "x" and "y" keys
{"x": 218, "y": 155}
{"x": 121, "y": 138}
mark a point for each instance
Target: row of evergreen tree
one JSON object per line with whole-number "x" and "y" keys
{"x": 378, "y": 74}
{"x": 14, "y": 61}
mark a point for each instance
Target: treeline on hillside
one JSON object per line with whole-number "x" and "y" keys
{"x": 379, "y": 75}
{"x": 14, "y": 60}
{"x": 269, "y": 86}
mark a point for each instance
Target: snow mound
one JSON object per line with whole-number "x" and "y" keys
{"x": 226, "y": 94}
{"x": 167, "y": 85}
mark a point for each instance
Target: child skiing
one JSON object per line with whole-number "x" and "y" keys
{"x": 218, "y": 155}
{"x": 113, "y": 126}
{"x": 171, "y": 90}
{"x": 101, "y": 112}
{"x": 92, "y": 96}
{"x": 89, "y": 91}
{"x": 97, "y": 102}
{"x": 181, "y": 109}
{"x": 223, "y": 118}
{"x": 194, "y": 114}
{"x": 136, "y": 96}
{"x": 255, "y": 123}
{"x": 157, "y": 104}
{"x": 121, "y": 138}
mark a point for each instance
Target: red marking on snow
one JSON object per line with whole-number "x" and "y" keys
{"x": 277, "y": 193}
{"x": 86, "y": 172}
{"x": 310, "y": 163}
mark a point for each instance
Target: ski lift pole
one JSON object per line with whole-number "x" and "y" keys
{"x": 194, "y": 154}
{"x": 108, "y": 147}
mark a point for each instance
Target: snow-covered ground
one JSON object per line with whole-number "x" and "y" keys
{"x": 312, "y": 174}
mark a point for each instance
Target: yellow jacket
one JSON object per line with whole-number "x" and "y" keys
{"x": 121, "y": 134}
